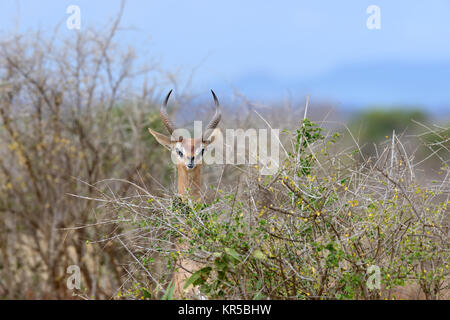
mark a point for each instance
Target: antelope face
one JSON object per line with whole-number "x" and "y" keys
{"x": 188, "y": 152}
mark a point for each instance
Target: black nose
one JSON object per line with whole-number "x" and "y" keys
{"x": 190, "y": 165}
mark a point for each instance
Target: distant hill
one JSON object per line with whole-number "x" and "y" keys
{"x": 425, "y": 85}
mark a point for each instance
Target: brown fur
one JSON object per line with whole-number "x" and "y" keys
{"x": 189, "y": 180}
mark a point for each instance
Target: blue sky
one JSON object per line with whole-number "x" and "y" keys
{"x": 269, "y": 49}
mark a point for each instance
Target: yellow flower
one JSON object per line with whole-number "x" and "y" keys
{"x": 353, "y": 203}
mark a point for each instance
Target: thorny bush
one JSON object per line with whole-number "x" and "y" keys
{"x": 314, "y": 230}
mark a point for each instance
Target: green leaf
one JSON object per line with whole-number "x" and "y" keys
{"x": 146, "y": 293}
{"x": 258, "y": 254}
{"x": 199, "y": 277}
{"x": 168, "y": 295}
{"x": 231, "y": 252}
{"x": 191, "y": 279}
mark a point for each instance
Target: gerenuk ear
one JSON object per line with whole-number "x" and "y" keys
{"x": 161, "y": 138}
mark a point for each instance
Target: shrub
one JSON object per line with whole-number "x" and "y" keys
{"x": 67, "y": 120}
{"x": 314, "y": 230}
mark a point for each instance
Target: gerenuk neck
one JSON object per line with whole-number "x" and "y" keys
{"x": 190, "y": 181}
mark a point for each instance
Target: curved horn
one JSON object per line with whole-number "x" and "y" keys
{"x": 215, "y": 120}
{"x": 164, "y": 116}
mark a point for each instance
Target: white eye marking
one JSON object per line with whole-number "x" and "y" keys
{"x": 200, "y": 150}
{"x": 179, "y": 150}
